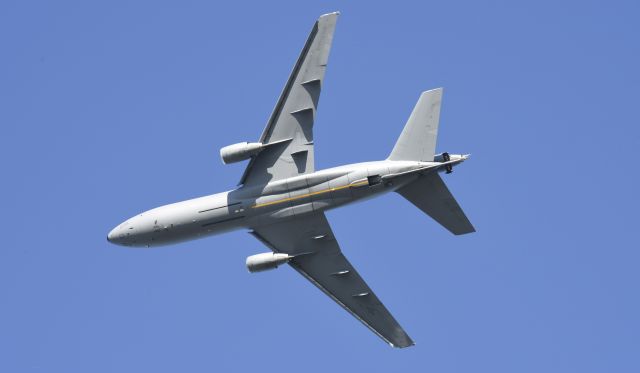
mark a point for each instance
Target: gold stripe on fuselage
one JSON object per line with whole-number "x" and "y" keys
{"x": 328, "y": 190}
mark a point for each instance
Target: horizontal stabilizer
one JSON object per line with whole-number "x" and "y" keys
{"x": 431, "y": 195}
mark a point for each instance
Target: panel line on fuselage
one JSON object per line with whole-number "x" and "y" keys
{"x": 222, "y": 221}
{"x": 221, "y": 207}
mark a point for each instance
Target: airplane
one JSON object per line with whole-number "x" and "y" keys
{"x": 281, "y": 198}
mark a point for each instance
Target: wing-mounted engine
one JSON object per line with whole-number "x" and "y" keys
{"x": 244, "y": 150}
{"x": 266, "y": 261}
{"x": 240, "y": 151}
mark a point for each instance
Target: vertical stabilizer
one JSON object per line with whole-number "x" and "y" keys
{"x": 417, "y": 141}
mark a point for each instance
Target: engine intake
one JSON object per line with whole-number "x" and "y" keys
{"x": 240, "y": 151}
{"x": 266, "y": 261}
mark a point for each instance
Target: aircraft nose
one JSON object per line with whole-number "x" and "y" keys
{"x": 112, "y": 236}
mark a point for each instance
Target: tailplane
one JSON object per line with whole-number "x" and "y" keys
{"x": 417, "y": 142}
{"x": 431, "y": 195}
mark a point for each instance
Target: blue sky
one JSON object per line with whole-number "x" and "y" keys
{"x": 108, "y": 109}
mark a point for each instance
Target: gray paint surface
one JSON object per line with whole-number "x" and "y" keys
{"x": 282, "y": 198}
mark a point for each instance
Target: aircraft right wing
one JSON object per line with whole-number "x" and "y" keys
{"x": 318, "y": 257}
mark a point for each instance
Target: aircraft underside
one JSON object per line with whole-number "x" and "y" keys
{"x": 282, "y": 199}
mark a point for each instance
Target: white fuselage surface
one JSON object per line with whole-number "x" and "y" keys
{"x": 249, "y": 207}
{"x": 282, "y": 199}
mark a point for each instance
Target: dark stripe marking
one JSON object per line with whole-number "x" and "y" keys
{"x": 222, "y": 221}
{"x": 216, "y": 208}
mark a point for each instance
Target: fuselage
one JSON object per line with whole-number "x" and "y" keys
{"x": 252, "y": 206}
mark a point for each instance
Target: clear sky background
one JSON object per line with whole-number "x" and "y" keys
{"x": 108, "y": 109}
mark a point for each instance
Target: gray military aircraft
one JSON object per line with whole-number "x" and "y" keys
{"x": 281, "y": 198}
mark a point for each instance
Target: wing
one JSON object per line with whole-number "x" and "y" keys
{"x": 319, "y": 259}
{"x": 292, "y": 119}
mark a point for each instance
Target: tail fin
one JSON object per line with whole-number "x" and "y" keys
{"x": 430, "y": 194}
{"x": 417, "y": 141}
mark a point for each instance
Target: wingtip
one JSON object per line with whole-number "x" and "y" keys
{"x": 410, "y": 344}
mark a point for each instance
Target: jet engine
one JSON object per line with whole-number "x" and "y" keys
{"x": 266, "y": 261}
{"x": 240, "y": 151}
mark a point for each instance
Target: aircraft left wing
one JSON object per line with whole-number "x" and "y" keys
{"x": 317, "y": 256}
{"x": 290, "y": 127}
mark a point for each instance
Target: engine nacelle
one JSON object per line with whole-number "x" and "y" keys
{"x": 240, "y": 151}
{"x": 266, "y": 261}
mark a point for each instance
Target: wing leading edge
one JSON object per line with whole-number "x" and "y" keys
{"x": 293, "y": 116}
{"x": 317, "y": 256}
